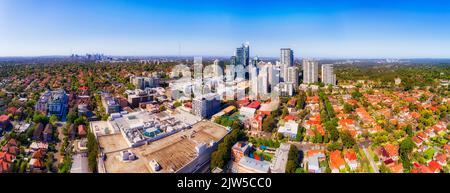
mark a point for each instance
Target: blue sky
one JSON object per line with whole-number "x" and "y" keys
{"x": 342, "y": 29}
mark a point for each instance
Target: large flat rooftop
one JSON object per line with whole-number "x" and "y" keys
{"x": 111, "y": 143}
{"x": 171, "y": 153}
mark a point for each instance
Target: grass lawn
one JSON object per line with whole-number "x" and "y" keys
{"x": 428, "y": 154}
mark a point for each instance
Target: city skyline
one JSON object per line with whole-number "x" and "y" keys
{"x": 331, "y": 29}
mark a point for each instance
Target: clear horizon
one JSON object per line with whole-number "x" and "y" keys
{"x": 212, "y": 56}
{"x": 331, "y": 29}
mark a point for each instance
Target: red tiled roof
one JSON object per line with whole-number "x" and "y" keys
{"x": 313, "y": 99}
{"x": 11, "y": 110}
{"x": 342, "y": 115}
{"x": 4, "y": 118}
{"x": 417, "y": 140}
{"x": 290, "y": 117}
{"x": 447, "y": 148}
{"x": 320, "y": 130}
{"x": 352, "y": 101}
{"x": 12, "y": 142}
{"x": 396, "y": 168}
{"x": 254, "y": 104}
{"x": 420, "y": 169}
{"x": 351, "y": 155}
{"x": 415, "y": 115}
{"x": 391, "y": 149}
{"x": 434, "y": 166}
{"x": 422, "y": 135}
{"x": 83, "y": 88}
{"x": 438, "y": 129}
{"x": 336, "y": 160}
{"x": 311, "y": 122}
{"x": 345, "y": 122}
{"x": 10, "y": 149}
{"x": 314, "y": 152}
{"x": 39, "y": 154}
{"x": 440, "y": 157}
{"x": 5, "y": 156}
{"x": 243, "y": 102}
{"x": 259, "y": 117}
{"x": 4, "y": 166}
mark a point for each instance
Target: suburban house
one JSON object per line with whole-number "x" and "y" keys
{"x": 36, "y": 164}
{"x": 8, "y": 155}
{"x": 351, "y": 159}
{"x": 289, "y": 129}
{"x": 336, "y": 161}
{"x": 441, "y": 159}
{"x": 4, "y": 122}
{"x": 314, "y": 158}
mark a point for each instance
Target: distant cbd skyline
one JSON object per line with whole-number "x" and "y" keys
{"x": 333, "y": 29}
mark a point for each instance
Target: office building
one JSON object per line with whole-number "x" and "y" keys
{"x": 242, "y": 55}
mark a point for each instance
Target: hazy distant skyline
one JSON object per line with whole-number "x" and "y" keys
{"x": 328, "y": 29}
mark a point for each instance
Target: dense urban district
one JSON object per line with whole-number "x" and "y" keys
{"x": 92, "y": 113}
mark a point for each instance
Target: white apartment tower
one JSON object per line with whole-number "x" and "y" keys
{"x": 310, "y": 71}
{"x": 286, "y": 61}
{"x": 253, "y": 82}
{"x": 328, "y": 76}
{"x": 292, "y": 76}
{"x": 263, "y": 80}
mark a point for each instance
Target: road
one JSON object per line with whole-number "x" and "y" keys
{"x": 364, "y": 146}
{"x": 58, "y": 156}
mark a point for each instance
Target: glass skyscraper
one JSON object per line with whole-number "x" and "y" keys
{"x": 243, "y": 55}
